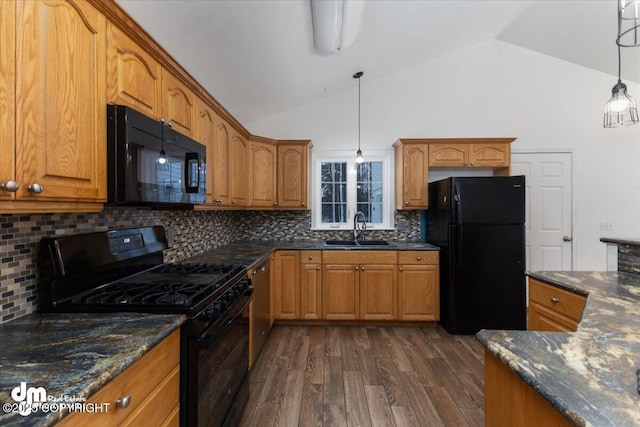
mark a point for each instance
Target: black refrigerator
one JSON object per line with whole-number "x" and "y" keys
{"x": 478, "y": 222}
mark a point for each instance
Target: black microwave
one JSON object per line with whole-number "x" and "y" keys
{"x": 149, "y": 163}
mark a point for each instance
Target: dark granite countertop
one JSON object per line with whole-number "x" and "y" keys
{"x": 250, "y": 252}
{"x": 621, "y": 241}
{"x": 72, "y": 354}
{"x": 589, "y": 375}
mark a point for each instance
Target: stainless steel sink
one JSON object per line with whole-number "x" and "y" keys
{"x": 351, "y": 243}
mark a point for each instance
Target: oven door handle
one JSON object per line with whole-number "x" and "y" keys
{"x": 212, "y": 333}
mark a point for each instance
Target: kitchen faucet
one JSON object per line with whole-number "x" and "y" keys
{"x": 357, "y": 232}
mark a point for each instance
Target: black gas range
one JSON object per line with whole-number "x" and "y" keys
{"x": 123, "y": 271}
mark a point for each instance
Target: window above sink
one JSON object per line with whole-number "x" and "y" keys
{"x": 340, "y": 188}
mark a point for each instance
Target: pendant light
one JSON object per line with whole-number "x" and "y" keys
{"x": 621, "y": 109}
{"x": 162, "y": 158}
{"x": 359, "y": 158}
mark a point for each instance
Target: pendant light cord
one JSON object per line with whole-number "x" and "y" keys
{"x": 359, "y": 111}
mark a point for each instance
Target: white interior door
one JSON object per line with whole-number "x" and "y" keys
{"x": 548, "y": 209}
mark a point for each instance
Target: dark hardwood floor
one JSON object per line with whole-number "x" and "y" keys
{"x": 366, "y": 376}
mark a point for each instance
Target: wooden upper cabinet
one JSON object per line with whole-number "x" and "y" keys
{"x": 293, "y": 179}
{"x": 490, "y": 155}
{"x": 205, "y": 132}
{"x": 262, "y": 167}
{"x": 238, "y": 181}
{"x": 448, "y": 155}
{"x": 179, "y": 104}
{"x": 134, "y": 78}
{"x": 7, "y": 97}
{"x": 220, "y": 162}
{"x": 412, "y": 175}
{"x": 60, "y": 109}
{"x": 470, "y": 152}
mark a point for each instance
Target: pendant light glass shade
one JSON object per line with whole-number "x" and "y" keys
{"x": 621, "y": 110}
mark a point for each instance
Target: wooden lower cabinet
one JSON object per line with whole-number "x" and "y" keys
{"x": 356, "y": 285}
{"x": 310, "y": 285}
{"x": 340, "y": 292}
{"x": 287, "y": 285}
{"x": 378, "y": 292}
{"x": 418, "y": 285}
{"x": 359, "y": 285}
{"x": 509, "y": 401}
{"x": 552, "y": 308}
{"x": 153, "y": 385}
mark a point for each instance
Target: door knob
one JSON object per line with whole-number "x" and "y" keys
{"x": 566, "y": 239}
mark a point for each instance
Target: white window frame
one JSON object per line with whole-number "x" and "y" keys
{"x": 388, "y": 211}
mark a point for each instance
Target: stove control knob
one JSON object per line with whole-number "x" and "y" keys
{"x": 231, "y": 296}
{"x": 240, "y": 287}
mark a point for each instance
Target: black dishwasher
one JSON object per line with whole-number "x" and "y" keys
{"x": 260, "y": 307}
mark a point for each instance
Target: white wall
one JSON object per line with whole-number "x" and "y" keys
{"x": 495, "y": 89}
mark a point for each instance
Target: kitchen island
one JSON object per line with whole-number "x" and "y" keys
{"x": 72, "y": 356}
{"x": 589, "y": 376}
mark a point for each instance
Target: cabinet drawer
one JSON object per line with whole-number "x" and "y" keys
{"x": 418, "y": 257}
{"x": 139, "y": 381}
{"x": 564, "y": 302}
{"x": 160, "y": 403}
{"x": 310, "y": 257}
{"x": 359, "y": 257}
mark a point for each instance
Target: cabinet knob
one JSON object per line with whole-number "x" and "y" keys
{"x": 35, "y": 188}
{"x": 275, "y": 203}
{"x": 233, "y": 202}
{"x": 406, "y": 203}
{"x": 124, "y": 401}
{"x": 362, "y": 268}
{"x": 418, "y": 257}
{"x": 303, "y": 204}
{"x": 263, "y": 268}
{"x": 466, "y": 163}
{"x": 401, "y": 269}
{"x": 357, "y": 268}
{"x": 10, "y": 186}
{"x": 554, "y": 300}
{"x": 472, "y": 163}
{"x": 318, "y": 268}
{"x": 310, "y": 257}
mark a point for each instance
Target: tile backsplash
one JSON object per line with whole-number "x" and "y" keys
{"x": 189, "y": 233}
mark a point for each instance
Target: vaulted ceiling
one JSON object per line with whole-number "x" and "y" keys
{"x": 257, "y": 57}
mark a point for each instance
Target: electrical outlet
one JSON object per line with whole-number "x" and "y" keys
{"x": 606, "y": 225}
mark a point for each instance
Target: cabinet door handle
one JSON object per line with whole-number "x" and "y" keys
{"x": 10, "y": 186}
{"x": 554, "y": 300}
{"x": 124, "y": 401}
{"x": 35, "y": 188}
